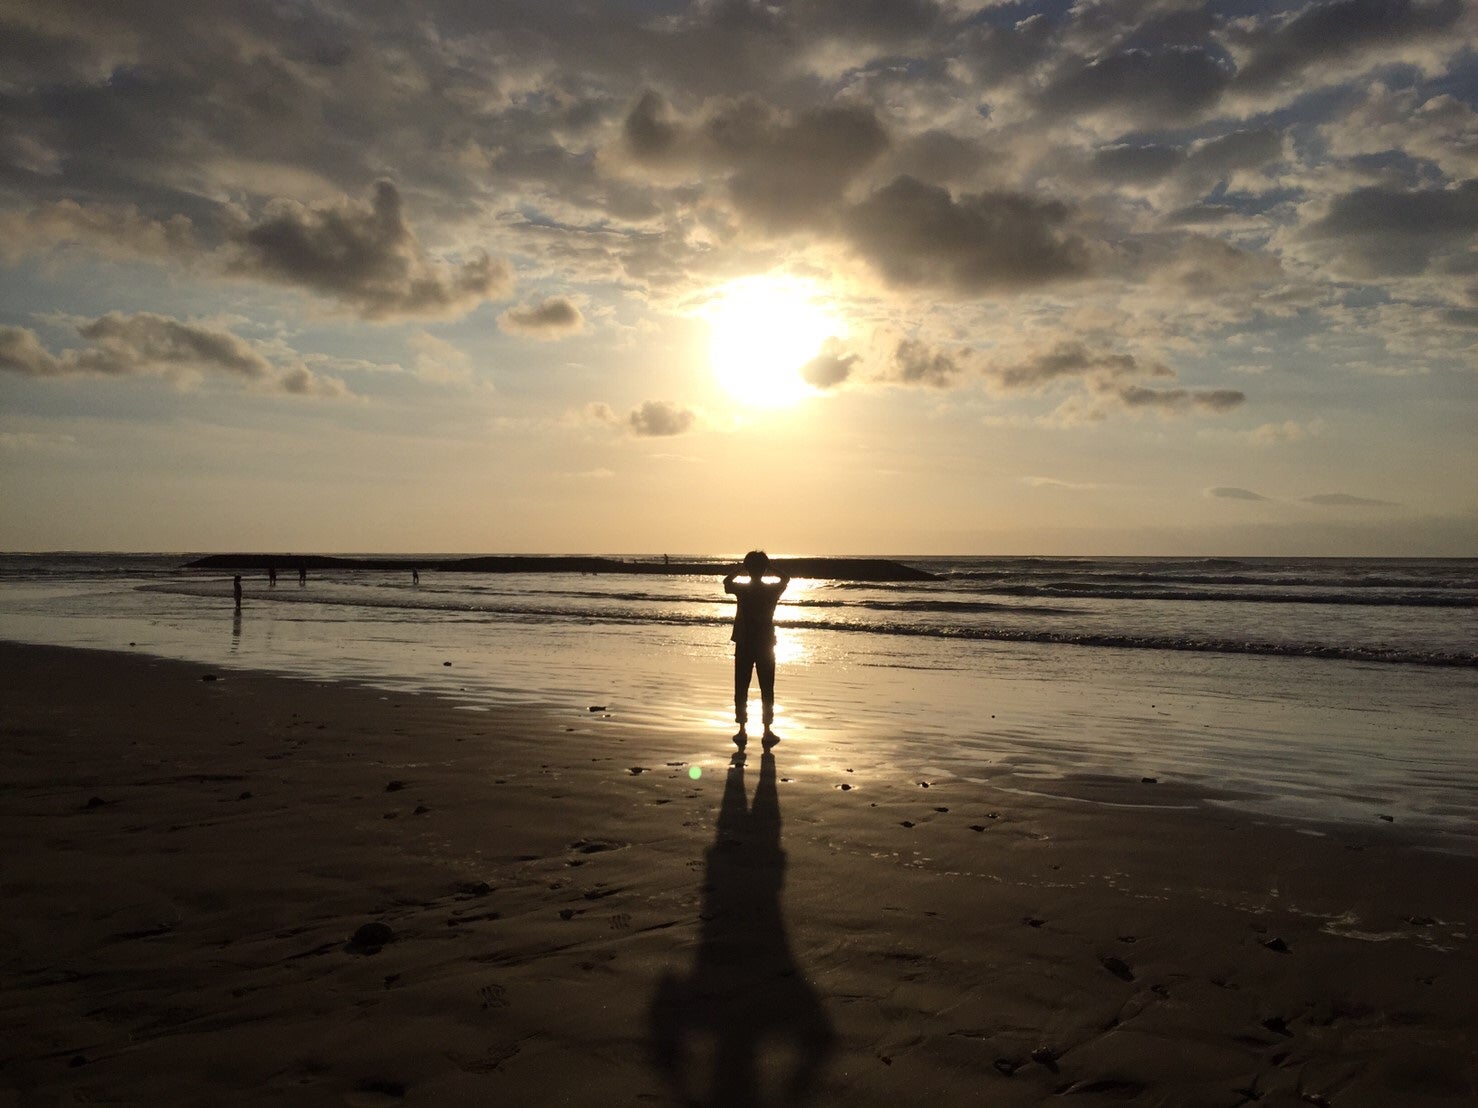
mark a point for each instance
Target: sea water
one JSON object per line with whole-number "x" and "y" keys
{"x": 1332, "y": 689}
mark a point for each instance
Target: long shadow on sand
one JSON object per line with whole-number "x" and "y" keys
{"x": 744, "y": 1027}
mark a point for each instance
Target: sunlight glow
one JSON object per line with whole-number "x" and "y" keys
{"x": 762, "y": 332}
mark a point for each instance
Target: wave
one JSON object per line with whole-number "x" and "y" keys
{"x": 1356, "y": 581}
{"x": 1096, "y": 590}
{"x": 532, "y": 611}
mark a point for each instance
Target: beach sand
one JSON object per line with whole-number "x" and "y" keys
{"x": 569, "y": 916}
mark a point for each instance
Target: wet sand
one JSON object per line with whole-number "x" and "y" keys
{"x": 551, "y": 908}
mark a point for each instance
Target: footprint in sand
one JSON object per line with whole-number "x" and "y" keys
{"x": 620, "y": 922}
{"x": 488, "y": 1061}
{"x": 375, "y": 1094}
{"x": 493, "y": 996}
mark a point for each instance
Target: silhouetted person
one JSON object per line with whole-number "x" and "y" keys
{"x": 302, "y": 576}
{"x": 415, "y": 577}
{"x": 272, "y": 575}
{"x": 770, "y": 1032}
{"x": 754, "y": 640}
{"x": 236, "y": 590}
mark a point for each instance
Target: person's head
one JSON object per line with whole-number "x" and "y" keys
{"x": 756, "y": 561}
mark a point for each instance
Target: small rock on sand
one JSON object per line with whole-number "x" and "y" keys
{"x": 371, "y": 936}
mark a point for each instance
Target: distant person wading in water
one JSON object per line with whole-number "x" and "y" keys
{"x": 754, "y": 640}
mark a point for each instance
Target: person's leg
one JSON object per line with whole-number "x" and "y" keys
{"x": 743, "y": 664}
{"x": 764, "y": 665}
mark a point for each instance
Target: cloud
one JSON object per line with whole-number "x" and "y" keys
{"x": 782, "y": 169}
{"x": 365, "y": 257}
{"x": 1384, "y": 231}
{"x": 552, "y": 318}
{"x": 147, "y": 344}
{"x": 438, "y": 360}
{"x": 1054, "y": 483}
{"x": 1345, "y": 500}
{"x": 1072, "y": 361}
{"x": 917, "y": 363}
{"x": 659, "y": 419}
{"x": 1279, "y": 50}
{"x": 21, "y": 352}
{"x": 1166, "y": 84}
{"x": 1287, "y": 431}
{"x": 116, "y": 230}
{"x": 918, "y": 235}
{"x": 1441, "y": 129}
{"x": 21, "y": 442}
{"x": 1176, "y": 401}
{"x": 829, "y": 368}
{"x": 1232, "y": 493}
{"x": 651, "y": 419}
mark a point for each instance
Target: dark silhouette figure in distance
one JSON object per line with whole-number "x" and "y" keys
{"x": 236, "y": 590}
{"x": 754, "y": 640}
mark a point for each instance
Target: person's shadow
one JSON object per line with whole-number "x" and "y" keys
{"x": 744, "y": 1026}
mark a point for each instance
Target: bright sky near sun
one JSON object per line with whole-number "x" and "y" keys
{"x": 823, "y": 276}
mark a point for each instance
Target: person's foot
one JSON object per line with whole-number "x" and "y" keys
{"x": 769, "y": 738}
{"x": 741, "y": 737}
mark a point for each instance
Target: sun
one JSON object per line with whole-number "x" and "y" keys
{"x": 762, "y": 332}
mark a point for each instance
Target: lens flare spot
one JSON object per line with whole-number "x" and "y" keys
{"x": 694, "y": 772}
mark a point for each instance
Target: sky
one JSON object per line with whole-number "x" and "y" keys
{"x": 827, "y": 277}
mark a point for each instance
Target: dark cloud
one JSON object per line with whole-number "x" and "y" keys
{"x": 1137, "y": 165}
{"x": 1396, "y": 232}
{"x": 1345, "y": 500}
{"x": 365, "y": 257}
{"x": 918, "y": 363}
{"x": 1236, "y": 150}
{"x": 781, "y": 169}
{"x": 1197, "y": 168}
{"x": 1164, "y": 84}
{"x": 918, "y": 235}
{"x": 1073, "y": 361}
{"x": 1176, "y": 401}
{"x": 1233, "y": 493}
{"x": 1000, "y": 53}
{"x": 1193, "y": 215}
{"x": 1280, "y": 49}
{"x": 830, "y": 368}
{"x": 143, "y": 342}
{"x": 660, "y": 418}
{"x": 552, "y": 318}
{"x": 149, "y": 344}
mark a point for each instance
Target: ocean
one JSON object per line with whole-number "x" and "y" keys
{"x": 1338, "y": 689}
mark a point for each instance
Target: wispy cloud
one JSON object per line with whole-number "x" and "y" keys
{"x": 1231, "y": 492}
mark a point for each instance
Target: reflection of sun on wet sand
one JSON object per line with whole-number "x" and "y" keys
{"x": 259, "y": 890}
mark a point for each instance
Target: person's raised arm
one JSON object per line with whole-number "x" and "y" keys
{"x": 729, "y": 579}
